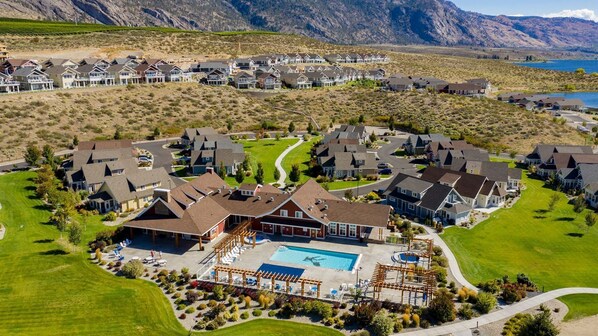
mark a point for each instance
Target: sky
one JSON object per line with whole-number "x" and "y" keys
{"x": 585, "y": 9}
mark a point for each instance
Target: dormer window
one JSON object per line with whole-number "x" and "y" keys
{"x": 284, "y": 213}
{"x": 298, "y": 214}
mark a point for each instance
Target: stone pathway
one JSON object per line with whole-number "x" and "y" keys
{"x": 278, "y": 162}
{"x": 463, "y": 326}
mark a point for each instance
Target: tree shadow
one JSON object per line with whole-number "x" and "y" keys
{"x": 268, "y": 144}
{"x": 41, "y": 207}
{"x": 541, "y": 211}
{"x": 565, "y": 219}
{"x": 574, "y": 234}
{"x": 54, "y": 252}
{"x": 539, "y": 217}
{"x": 43, "y": 241}
{"x": 30, "y": 188}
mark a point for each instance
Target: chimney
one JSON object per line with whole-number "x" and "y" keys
{"x": 164, "y": 194}
{"x": 210, "y": 170}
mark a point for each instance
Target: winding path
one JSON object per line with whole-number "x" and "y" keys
{"x": 502, "y": 313}
{"x": 278, "y": 162}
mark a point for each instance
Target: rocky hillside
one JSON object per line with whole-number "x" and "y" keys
{"x": 437, "y": 22}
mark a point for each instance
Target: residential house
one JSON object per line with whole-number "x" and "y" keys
{"x": 156, "y": 62}
{"x": 478, "y": 191}
{"x": 97, "y": 62}
{"x": 173, "y": 73}
{"x": 506, "y": 178}
{"x": 60, "y": 62}
{"x": 296, "y": 81}
{"x": 222, "y": 66}
{"x": 94, "y": 75}
{"x": 346, "y": 164}
{"x": 190, "y": 133}
{"x": 150, "y": 74}
{"x": 456, "y": 159}
{"x": 433, "y": 148}
{"x": 327, "y": 150}
{"x": 205, "y": 207}
{"x": 566, "y": 169}
{"x": 320, "y": 79}
{"x": 548, "y": 102}
{"x": 398, "y": 84}
{"x": 264, "y": 60}
{"x": 212, "y": 151}
{"x": 463, "y": 89}
{"x": 244, "y": 80}
{"x": 569, "y": 104}
{"x": 91, "y": 176}
{"x": 216, "y": 77}
{"x": 268, "y": 81}
{"x": 543, "y": 153}
{"x": 123, "y": 74}
{"x": 416, "y": 144}
{"x": 130, "y": 62}
{"x": 375, "y": 74}
{"x": 131, "y": 191}
{"x": 89, "y": 152}
{"x": 590, "y": 193}
{"x": 428, "y": 83}
{"x": 246, "y": 64}
{"x": 11, "y": 65}
{"x": 482, "y": 83}
{"x": 8, "y": 85}
{"x": 63, "y": 77}
{"x": 32, "y": 79}
{"x": 3, "y": 53}
{"x": 438, "y": 201}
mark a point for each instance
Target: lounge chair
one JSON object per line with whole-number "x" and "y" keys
{"x": 128, "y": 242}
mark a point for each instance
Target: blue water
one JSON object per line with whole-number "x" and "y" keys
{"x": 564, "y": 65}
{"x": 590, "y": 99}
{"x": 315, "y": 257}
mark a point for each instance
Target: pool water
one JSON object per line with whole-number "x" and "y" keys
{"x": 314, "y": 257}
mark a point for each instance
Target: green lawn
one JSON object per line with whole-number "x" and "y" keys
{"x": 46, "y": 290}
{"x": 552, "y": 248}
{"x": 265, "y": 151}
{"x": 347, "y": 184}
{"x": 300, "y": 155}
{"x": 275, "y": 328}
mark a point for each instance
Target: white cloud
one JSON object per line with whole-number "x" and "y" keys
{"x": 587, "y": 14}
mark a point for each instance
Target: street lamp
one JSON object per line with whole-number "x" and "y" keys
{"x": 357, "y": 275}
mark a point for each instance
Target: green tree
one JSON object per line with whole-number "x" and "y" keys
{"x": 259, "y": 175}
{"x": 75, "y": 232}
{"x": 240, "y": 176}
{"x": 75, "y": 140}
{"x": 373, "y": 137}
{"x": 117, "y": 134}
{"x": 310, "y": 128}
{"x": 246, "y": 164}
{"x": 442, "y": 307}
{"x": 229, "y": 125}
{"x": 554, "y": 198}
{"x": 276, "y": 174}
{"x": 538, "y": 325}
{"x": 349, "y": 194}
{"x": 361, "y": 119}
{"x": 579, "y": 205}
{"x": 291, "y": 127}
{"x": 48, "y": 154}
{"x": 32, "y": 155}
{"x": 295, "y": 174}
{"x": 590, "y": 220}
{"x": 156, "y": 132}
{"x": 277, "y": 136}
{"x": 485, "y": 302}
{"x": 580, "y": 71}
{"x": 222, "y": 170}
{"x": 382, "y": 324}
{"x": 45, "y": 181}
{"x": 391, "y": 123}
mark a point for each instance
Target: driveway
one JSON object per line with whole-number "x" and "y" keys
{"x": 162, "y": 156}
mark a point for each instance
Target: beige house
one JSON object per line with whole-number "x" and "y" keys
{"x": 63, "y": 77}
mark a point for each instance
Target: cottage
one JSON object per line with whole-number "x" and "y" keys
{"x": 8, "y": 85}
{"x": 346, "y": 164}
{"x": 216, "y": 77}
{"x": 172, "y": 73}
{"x": 33, "y": 79}
{"x": 269, "y": 81}
{"x": 296, "y": 81}
{"x": 416, "y": 144}
{"x": 123, "y": 74}
{"x": 64, "y": 77}
{"x": 320, "y": 79}
{"x": 130, "y": 62}
{"x": 60, "y": 62}
{"x": 542, "y": 154}
{"x": 150, "y": 73}
{"x": 244, "y": 80}
{"x": 463, "y": 89}
{"x": 129, "y": 192}
{"x": 324, "y": 151}
{"x": 93, "y": 75}
{"x": 246, "y": 64}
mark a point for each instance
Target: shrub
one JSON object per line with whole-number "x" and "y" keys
{"x": 212, "y": 303}
{"x": 183, "y": 316}
{"x": 247, "y": 300}
{"x": 176, "y": 295}
{"x": 202, "y": 306}
{"x": 272, "y": 313}
{"x": 212, "y": 326}
{"x": 244, "y": 316}
{"x": 190, "y": 310}
{"x": 257, "y": 312}
{"x": 133, "y": 269}
{"x": 110, "y": 217}
{"x": 234, "y": 317}
{"x": 415, "y": 320}
{"x": 178, "y": 301}
{"x": 339, "y": 325}
{"x": 486, "y": 302}
{"x": 465, "y": 312}
{"x": 425, "y": 324}
{"x": 181, "y": 306}
{"x": 382, "y": 324}
{"x": 442, "y": 307}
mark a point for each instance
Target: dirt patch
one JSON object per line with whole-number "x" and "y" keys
{"x": 582, "y": 327}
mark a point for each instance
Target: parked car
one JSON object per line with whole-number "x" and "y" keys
{"x": 385, "y": 171}
{"x": 383, "y": 165}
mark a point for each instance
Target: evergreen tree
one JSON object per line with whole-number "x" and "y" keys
{"x": 75, "y": 140}
{"x": 442, "y": 307}
{"x": 276, "y": 174}
{"x": 291, "y": 127}
{"x": 117, "y": 134}
{"x": 48, "y": 154}
{"x": 32, "y": 155}
{"x": 75, "y": 232}
{"x": 222, "y": 170}
{"x": 240, "y": 176}
{"x": 259, "y": 175}
{"x": 539, "y": 325}
{"x": 295, "y": 174}
{"x": 310, "y": 128}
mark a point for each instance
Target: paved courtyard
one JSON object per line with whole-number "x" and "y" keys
{"x": 188, "y": 255}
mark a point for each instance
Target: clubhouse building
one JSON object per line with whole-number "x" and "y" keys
{"x": 204, "y": 208}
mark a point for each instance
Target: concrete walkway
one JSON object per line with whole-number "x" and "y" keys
{"x": 278, "y": 162}
{"x": 453, "y": 264}
{"x": 457, "y": 328}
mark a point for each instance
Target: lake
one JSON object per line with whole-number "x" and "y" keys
{"x": 564, "y": 65}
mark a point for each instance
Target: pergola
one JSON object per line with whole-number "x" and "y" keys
{"x": 235, "y": 237}
{"x": 408, "y": 279}
{"x": 287, "y": 278}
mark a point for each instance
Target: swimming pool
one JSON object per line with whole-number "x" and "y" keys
{"x": 314, "y": 257}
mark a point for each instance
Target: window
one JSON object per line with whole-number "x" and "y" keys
{"x": 352, "y": 230}
{"x": 284, "y": 213}
{"x": 332, "y": 229}
{"x": 403, "y": 191}
{"x": 411, "y": 206}
{"x": 342, "y": 229}
{"x": 298, "y": 214}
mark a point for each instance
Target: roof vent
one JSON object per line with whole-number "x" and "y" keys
{"x": 318, "y": 201}
{"x": 272, "y": 199}
{"x": 218, "y": 191}
{"x": 325, "y": 206}
{"x": 309, "y": 208}
{"x": 324, "y": 215}
{"x": 259, "y": 198}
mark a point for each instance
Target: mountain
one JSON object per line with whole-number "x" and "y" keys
{"x": 436, "y": 22}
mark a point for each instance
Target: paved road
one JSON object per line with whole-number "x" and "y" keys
{"x": 162, "y": 156}
{"x": 278, "y": 162}
{"x": 502, "y": 313}
{"x": 386, "y": 154}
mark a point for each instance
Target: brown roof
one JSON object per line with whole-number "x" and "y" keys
{"x": 102, "y": 145}
{"x": 469, "y": 185}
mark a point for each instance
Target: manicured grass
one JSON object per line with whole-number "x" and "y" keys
{"x": 553, "y": 248}
{"x": 265, "y": 151}
{"x": 347, "y": 184}
{"x": 275, "y": 328}
{"x": 301, "y": 156}
{"x": 47, "y": 290}
{"x": 580, "y": 306}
